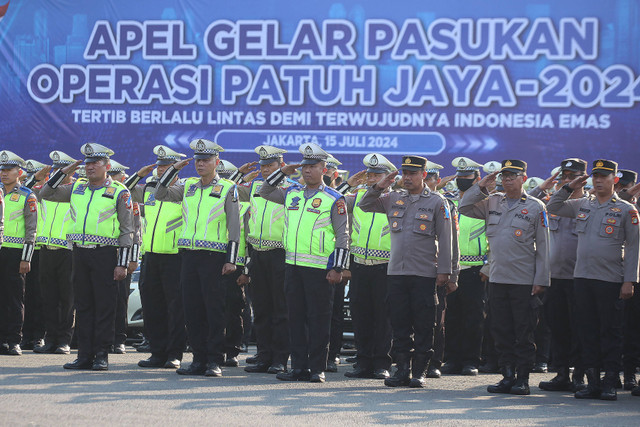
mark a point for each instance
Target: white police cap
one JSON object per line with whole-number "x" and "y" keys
{"x": 589, "y": 184}
{"x": 556, "y": 170}
{"x": 269, "y": 154}
{"x": 226, "y": 167}
{"x": 166, "y": 155}
{"x": 81, "y": 171}
{"x": 492, "y": 166}
{"x": 9, "y": 160}
{"x": 332, "y": 162}
{"x": 60, "y": 159}
{"x": 33, "y": 166}
{"x": 116, "y": 167}
{"x": 377, "y": 163}
{"x": 203, "y": 148}
{"x": 312, "y": 153}
{"x": 465, "y": 166}
{"x": 451, "y": 186}
{"x": 93, "y": 152}
{"x": 153, "y": 177}
{"x": 433, "y": 167}
{"x": 532, "y": 183}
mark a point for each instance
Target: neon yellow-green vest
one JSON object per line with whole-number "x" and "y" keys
{"x": 205, "y": 222}
{"x": 54, "y": 224}
{"x": 472, "y": 240}
{"x": 266, "y": 224}
{"x": 309, "y": 236}
{"x": 14, "y": 228}
{"x": 242, "y": 245}
{"x": 370, "y": 238}
{"x": 163, "y": 224}
{"x": 94, "y": 213}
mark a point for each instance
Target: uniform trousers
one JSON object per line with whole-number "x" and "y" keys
{"x": 233, "y": 314}
{"x": 337, "y": 321}
{"x": 560, "y": 311}
{"x": 122, "y": 305}
{"x": 631, "y": 348}
{"x": 12, "y": 286}
{"x": 57, "y": 294}
{"x": 34, "y": 326}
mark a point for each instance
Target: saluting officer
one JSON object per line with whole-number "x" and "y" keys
{"x": 267, "y": 267}
{"x": 316, "y": 243}
{"x": 102, "y": 237}
{"x": 606, "y": 269}
{"x": 21, "y": 216}
{"x": 517, "y": 229}
{"x": 421, "y": 259}
{"x": 209, "y": 243}
{"x": 160, "y": 290}
{"x": 55, "y": 261}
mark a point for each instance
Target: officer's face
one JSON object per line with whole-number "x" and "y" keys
{"x": 603, "y": 184}
{"x": 373, "y": 178}
{"x": 432, "y": 181}
{"x": 268, "y": 169}
{"x": 512, "y": 181}
{"x": 312, "y": 174}
{"x": 97, "y": 170}
{"x": 412, "y": 180}
{"x": 162, "y": 169}
{"x": 207, "y": 167}
{"x": 9, "y": 176}
{"x": 566, "y": 177}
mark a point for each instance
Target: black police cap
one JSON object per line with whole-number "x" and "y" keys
{"x": 574, "y": 165}
{"x": 604, "y": 167}
{"x": 414, "y": 163}
{"x": 515, "y": 166}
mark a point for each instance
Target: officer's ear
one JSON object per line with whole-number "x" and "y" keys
{"x": 439, "y": 179}
{"x": 524, "y": 178}
{"x": 424, "y": 174}
{"x": 616, "y": 180}
{"x": 217, "y": 161}
{"x": 108, "y": 165}
{"x": 477, "y": 179}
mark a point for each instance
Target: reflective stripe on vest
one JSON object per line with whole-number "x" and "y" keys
{"x": 370, "y": 238}
{"x": 472, "y": 240}
{"x": 163, "y": 224}
{"x": 242, "y": 245}
{"x": 205, "y": 222}
{"x": 54, "y": 224}
{"x": 266, "y": 224}
{"x": 14, "y": 227}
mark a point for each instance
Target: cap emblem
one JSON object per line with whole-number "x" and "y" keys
{"x": 373, "y": 161}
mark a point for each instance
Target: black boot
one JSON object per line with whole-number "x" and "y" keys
{"x": 521, "y": 386}
{"x": 630, "y": 381}
{"x": 82, "y": 362}
{"x": 560, "y": 382}
{"x": 402, "y": 377}
{"x": 609, "y": 386}
{"x": 505, "y": 384}
{"x": 593, "y": 390}
{"x": 101, "y": 362}
{"x": 577, "y": 381}
{"x": 419, "y": 371}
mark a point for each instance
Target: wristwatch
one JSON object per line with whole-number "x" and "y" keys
{"x": 337, "y": 269}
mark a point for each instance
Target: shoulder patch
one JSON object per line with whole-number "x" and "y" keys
{"x": 634, "y": 216}
{"x": 340, "y": 205}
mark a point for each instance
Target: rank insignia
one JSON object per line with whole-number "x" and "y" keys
{"x": 109, "y": 192}
{"x": 518, "y": 232}
{"x": 608, "y": 229}
{"x": 216, "y": 190}
{"x": 316, "y": 202}
{"x": 14, "y": 197}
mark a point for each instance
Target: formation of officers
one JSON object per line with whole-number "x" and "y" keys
{"x": 417, "y": 257}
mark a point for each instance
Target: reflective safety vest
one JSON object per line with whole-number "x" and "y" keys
{"x": 370, "y": 238}
{"x": 94, "y": 212}
{"x": 266, "y": 224}
{"x": 205, "y": 222}
{"x": 242, "y": 245}
{"x": 309, "y": 235}
{"x": 163, "y": 224}
{"x": 54, "y": 224}
{"x": 472, "y": 240}
{"x": 14, "y": 227}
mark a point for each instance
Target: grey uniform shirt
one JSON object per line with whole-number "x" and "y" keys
{"x": 421, "y": 241}
{"x": 175, "y": 193}
{"x": 518, "y": 236}
{"x": 29, "y": 212}
{"x": 608, "y": 236}
{"x": 62, "y": 193}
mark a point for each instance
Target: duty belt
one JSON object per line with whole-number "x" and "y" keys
{"x": 363, "y": 261}
{"x": 371, "y": 252}
{"x": 472, "y": 258}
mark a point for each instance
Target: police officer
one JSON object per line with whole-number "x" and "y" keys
{"x": 20, "y": 223}
{"x": 55, "y": 262}
{"x": 518, "y": 236}
{"x": 560, "y": 298}
{"x": 465, "y": 306}
{"x": 209, "y": 243}
{"x": 160, "y": 290}
{"x": 102, "y": 237}
{"x": 316, "y": 243}
{"x": 606, "y": 269}
{"x": 371, "y": 249}
{"x": 267, "y": 267}
{"x": 421, "y": 259}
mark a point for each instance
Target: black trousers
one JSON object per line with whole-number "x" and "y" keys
{"x": 559, "y": 309}
{"x": 542, "y": 334}
{"x": 34, "y": 326}
{"x": 631, "y": 347}
{"x": 12, "y": 287}
{"x": 337, "y": 321}
{"x": 122, "y": 306}
{"x": 57, "y": 295}
{"x": 600, "y": 313}
{"x": 370, "y": 314}
{"x": 514, "y": 314}
{"x": 204, "y": 297}
{"x": 233, "y": 314}
{"x": 439, "y": 330}
{"x": 95, "y": 298}
{"x": 489, "y": 353}
{"x": 309, "y": 302}
{"x": 162, "y": 306}
{"x": 270, "y": 316}
{"x": 412, "y": 306}
{"x": 465, "y": 319}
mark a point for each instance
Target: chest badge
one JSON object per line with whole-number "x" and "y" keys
{"x": 109, "y": 192}
{"x": 582, "y": 216}
{"x": 191, "y": 191}
{"x": 423, "y": 227}
{"x": 399, "y": 202}
{"x": 611, "y": 221}
{"x": 14, "y": 197}
{"x": 518, "y": 233}
{"x": 423, "y": 216}
{"x": 316, "y": 202}
{"x": 616, "y": 210}
{"x": 524, "y": 211}
{"x": 608, "y": 229}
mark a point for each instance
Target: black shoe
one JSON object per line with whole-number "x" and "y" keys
{"x": 521, "y": 386}
{"x": 450, "y": 368}
{"x": 433, "y": 372}
{"x": 14, "y": 350}
{"x": 560, "y": 382}
{"x": 232, "y": 362}
{"x": 145, "y": 347}
{"x": 193, "y": 369}
{"x": 609, "y": 386}
{"x": 119, "y": 349}
{"x": 172, "y": 363}
{"x": 504, "y": 385}
{"x": 4, "y": 348}
{"x": 62, "y": 349}
{"x": 152, "y": 362}
{"x": 489, "y": 368}
{"x": 252, "y": 360}
{"x": 359, "y": 372}
{"x": 351, "y": 359}
{"x": 101, "y": 362}
{"x": 381, "y": 374}
{"x": 593, "y": 390}
{"x": 577, "y": 380}
{"x": 79, "y": 363}
{"x": 27, "y": 344}
{"x": 257, "y": 368}
{"x": 213, "y": 370}
{"x": 332, "y": 366}
{"x": 635, "y": 391}
{"x": 402, "y": 376}
{"x": 294, "y": 375}
{"x": 540, "y": 368}
{"x": 276, "y": 368}
{"x": 630, "y": 381}
{"x": 316, "y": 377}
{"x": 47, "y": 348}
{"x": 469, "y": 370}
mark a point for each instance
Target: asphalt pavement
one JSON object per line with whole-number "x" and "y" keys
{"x": 35, "y": 390}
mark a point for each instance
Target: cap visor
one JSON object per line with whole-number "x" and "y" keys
{"x": 203, "y": 156}
{"x": 377, "y": 170}
{"x": 310, "y": 161}
{"x": 602, "y": 171}
{"x": 94, "y": 159}
{"x": 412, "y": 168}
{"x": 59, "y": 165}
{"x": 269, "y": 161}
{"x": 4, "y": 167}
{"x": 165, "y": 162}
{"x": 465, "y": 173}
{"x": 571, "y": 168}
{"x": 514, "y": 170}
